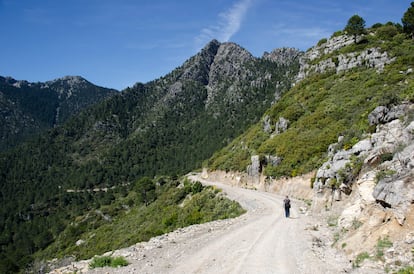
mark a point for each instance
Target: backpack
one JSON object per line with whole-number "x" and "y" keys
{"x": 287, "y": 203}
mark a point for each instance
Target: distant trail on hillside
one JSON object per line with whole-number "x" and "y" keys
{"x": 260, "y": 241}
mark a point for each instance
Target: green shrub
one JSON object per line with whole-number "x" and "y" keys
{"x": 337, "y": 33}
{"x": 196, "y": 187}
{"x": 406, "y": 270}
{"x": 376, "y": 25}
{"x": 356, "y": 223}
{"x": 322, "y": 41}
{"x": 360, "y": 258}
{"x": 178, "y": 203}
{"x": 335, "y": 59}
{"x": 312, "y": 181}
{"x": 333, "y": 183}
{"x": 382, "y": 174}
{"x": 348, "y": 144}
{"x": 336, "y": 238}
{"x": 108, "y": 261}
{"x": 381, "y": 245}
{"x": 386, "y": 157}
{"x": 387, "y": 32}
{"x": 333, "y": 221}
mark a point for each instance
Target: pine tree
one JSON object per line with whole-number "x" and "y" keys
{"x": 408, "y": 21}
{"x": 355, "y": 26}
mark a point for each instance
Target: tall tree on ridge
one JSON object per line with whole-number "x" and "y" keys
{"x": 408, "y": 21}
{"x": 355, "y": 26}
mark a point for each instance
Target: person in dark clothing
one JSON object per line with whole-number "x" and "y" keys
{"x": 286, "y": 203}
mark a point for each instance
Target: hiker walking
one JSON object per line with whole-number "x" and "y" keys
{"x": 286, "y": 203}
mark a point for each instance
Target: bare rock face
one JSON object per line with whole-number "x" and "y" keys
{"x": 370, "y": 58}
{"x": 273, "y": 160}
{"x": 254, "y": 168}
{"x": 382, "y": 114}
{"x": 393, "y": 193}
{"x": 258, "y": 163}
{"x": 227, "y": 67}
{"x": 198, "y": 67}
{"x": 349, "y": 215}
{"x": 228, "y": 63}
{"x": 267, "y": 127}
{"x": 283, "y": 56}
{"x": 281, "y": 125}
{"x": 388, "y": 154}
{"x": 339, "y": 168}
{"x": 395, "y": 187}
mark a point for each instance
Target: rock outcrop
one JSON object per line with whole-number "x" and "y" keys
{"x": 389, "y": 151}
{"x": 258, "y": 163}
{"x": 228, "y": 64}
{"x": 387, "y": 156}
{"x": 382, "y": 114}
{"x": 370, "y": 58}
{"x": 255, "y": 168}
{"x": 283, "y": 56}
{"x": 367, "y": 191}
{"x": 279, "y": 127}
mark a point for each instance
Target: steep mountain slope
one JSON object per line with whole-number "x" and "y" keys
{"x": 342, "y": 83}
{"x": 30, "y": 108}
{"x": 348, "y": 121}
{"x": 167, "y": 126}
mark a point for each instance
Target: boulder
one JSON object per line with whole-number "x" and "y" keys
{"x": 390, "y": 192}
{"x": 266, "y": 124}
{"x": 281, "y": 125}
{"x": 366, "y": 185}
{"x": 254, "y": 168}
{"x": 349, "y": 215}
{"x": 273, "y": 160}
{"x": 377, "y": 115}
{"x": 382, "y": 114}
{"x": 409, "y": 238}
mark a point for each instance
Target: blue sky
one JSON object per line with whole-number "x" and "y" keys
{"x": 116, "y": 43}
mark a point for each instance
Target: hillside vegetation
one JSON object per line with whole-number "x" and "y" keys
{"x": 28, "y": 109}
{"x": 165, "y": 127}
{"x": 149, "y": 208}
{"x": 93, "y": 183}
{"x": 324, "y": 106}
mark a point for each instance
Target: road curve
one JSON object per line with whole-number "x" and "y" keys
{"x": 264, "y": 242}
{"x": 260, "y": 241}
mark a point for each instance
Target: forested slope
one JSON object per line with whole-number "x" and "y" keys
{"x": 167, "y": 126}
{"x": 28, "y": 109}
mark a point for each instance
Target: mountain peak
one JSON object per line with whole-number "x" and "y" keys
{"x": 198, "y": 66}
{"x": 71, "y": 80}
{"x": 212, "y": 44}
{"x": 228, "y": 62}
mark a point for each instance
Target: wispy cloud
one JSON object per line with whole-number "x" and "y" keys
{"x": 301, "y": 37}
{"x": 228, "y": 23}
{"x": 310, "y": 32}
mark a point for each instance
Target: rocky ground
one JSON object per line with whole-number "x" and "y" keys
{"x": 260, "y": 241}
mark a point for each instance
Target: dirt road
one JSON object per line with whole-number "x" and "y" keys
{"x": 260, "y": 241}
